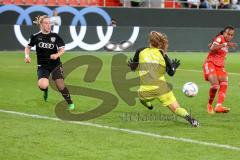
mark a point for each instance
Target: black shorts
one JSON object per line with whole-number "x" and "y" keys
{"x": 55, "y": 71}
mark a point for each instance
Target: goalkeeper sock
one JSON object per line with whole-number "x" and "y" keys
{"x": 181, "y": 112}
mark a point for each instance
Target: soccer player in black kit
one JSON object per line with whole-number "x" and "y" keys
{"x": 49, "y": 48}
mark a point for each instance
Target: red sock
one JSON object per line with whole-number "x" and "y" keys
{"x": 222, "y": 92}
{"x": 212, "y": 93}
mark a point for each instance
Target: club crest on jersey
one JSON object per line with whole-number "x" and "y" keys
{"x": 53, "y": 39}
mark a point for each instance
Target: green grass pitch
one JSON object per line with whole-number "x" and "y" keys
{"x": 29, "y": 138}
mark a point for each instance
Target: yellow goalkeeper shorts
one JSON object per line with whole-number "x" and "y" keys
{"x": 166, "y": 99}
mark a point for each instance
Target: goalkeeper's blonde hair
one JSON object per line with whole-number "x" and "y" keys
{"x": 158, "y": 40}
{"x": 39, "y": 19}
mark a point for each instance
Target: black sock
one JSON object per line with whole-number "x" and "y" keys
{"x": 45, "y": 90}
{"x": 188, "y": 118}
{"x": 66, "y": 95}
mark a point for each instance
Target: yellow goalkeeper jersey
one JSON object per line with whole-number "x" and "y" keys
{"x": 152, "y": 68}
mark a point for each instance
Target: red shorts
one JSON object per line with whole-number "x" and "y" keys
{"x": 210, "y": 69}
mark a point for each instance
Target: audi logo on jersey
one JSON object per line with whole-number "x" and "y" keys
{"x": 79, "y": 17}
{"x": 46, "y": 45}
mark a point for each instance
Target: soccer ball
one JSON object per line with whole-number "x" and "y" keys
{"x": 190, "y": 89}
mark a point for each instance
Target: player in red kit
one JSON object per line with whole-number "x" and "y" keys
{"x": 214, "y": 70}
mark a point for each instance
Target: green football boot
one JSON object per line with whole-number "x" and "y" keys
{"x": 71, "y": 107}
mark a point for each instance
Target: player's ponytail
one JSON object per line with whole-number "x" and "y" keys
{"x": 39, "y": 19}
{"x": 224, "y": 30}
{"x": 158, "y": 40}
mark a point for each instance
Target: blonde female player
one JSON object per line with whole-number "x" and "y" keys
{"x": 49, "y": 48}
{"x": 152, "y": 63}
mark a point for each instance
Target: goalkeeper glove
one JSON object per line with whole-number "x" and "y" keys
{"x": 133, "y": 65}
{"x": 176, "y": 63}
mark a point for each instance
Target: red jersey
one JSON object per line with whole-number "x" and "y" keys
{"x": 217, "y": 57}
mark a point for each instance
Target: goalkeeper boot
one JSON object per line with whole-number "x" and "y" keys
{"x": 148, "y": 105}
{"x": 150, "y": 108}
{"x": 192, "y": 121}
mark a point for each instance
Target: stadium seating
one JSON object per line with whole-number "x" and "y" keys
{"x": 40, "y": 2}
{"x": 28, "y": 2}
{"x": 18, "y": 2}
{"x": 63, "y": 2}
{"x": 73, "y": 2}
{"x": 109, "y": 3}
{"x": 113, "y": 3}
{"x": 83, "y": 3}
{"x": 51, "y": 3}
{"x": 8, "y": 1}
{"x": 172, "y": 4}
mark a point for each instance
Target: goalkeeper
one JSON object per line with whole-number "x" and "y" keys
{"x": 152, "y": 63}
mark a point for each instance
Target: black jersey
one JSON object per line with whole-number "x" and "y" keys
{"x": 46, "y": 45}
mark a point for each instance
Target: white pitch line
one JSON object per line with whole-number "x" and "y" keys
{"x": 186, "y": 140}
{"x": 194, "y": 70}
